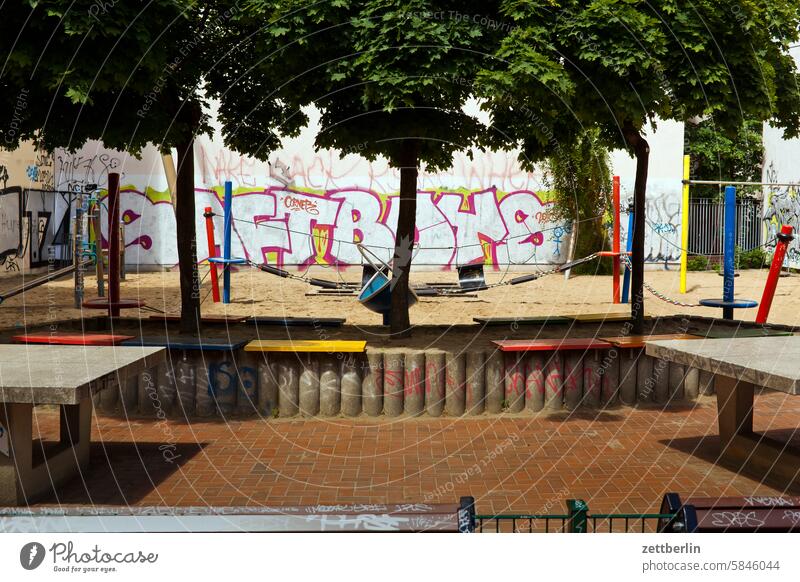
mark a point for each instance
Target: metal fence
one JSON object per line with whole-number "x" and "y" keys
{"x": 578, "y": 519}
{"x": 706, "y": 226}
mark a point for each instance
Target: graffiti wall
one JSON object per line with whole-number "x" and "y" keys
{"x": 781, "y": 203}
{"x": 305, "y": 207}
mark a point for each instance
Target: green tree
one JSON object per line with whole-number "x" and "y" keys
{"x": 623, "y": 63}
{"x": 123, "y": 72}
{"x": 390, "y": 78}
{"x": 581, "y": 181}
{"x": 719, "y": 156}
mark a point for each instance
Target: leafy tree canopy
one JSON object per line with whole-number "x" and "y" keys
{"x": 379, "y": 72}
{"x": 124, "y": 72}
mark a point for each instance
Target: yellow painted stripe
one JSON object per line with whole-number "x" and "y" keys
{"x": 330, "y": 346}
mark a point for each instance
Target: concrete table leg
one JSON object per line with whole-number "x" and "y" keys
{"x": 24, "y": 476}
{"x": 744, "y": 448}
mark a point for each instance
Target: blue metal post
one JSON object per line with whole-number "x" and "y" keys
{"x": 626, "y": 278}
{"x": 729, "y": 250}
{"x": 226, "y": 243}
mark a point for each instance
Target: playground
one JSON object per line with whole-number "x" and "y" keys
{"x": 255, "y": 293}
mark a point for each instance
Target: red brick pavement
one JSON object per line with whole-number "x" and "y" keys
{"x": 617, "y": 460}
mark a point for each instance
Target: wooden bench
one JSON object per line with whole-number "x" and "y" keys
{"x": 189, "y": 344}
{"x": 638, "y": 341}
{"x": 211, "y": 319}
{"x": 600, "y": 317}
{"x": 368, "y": 518}
{"x": 534, "y": 320}
{"x": 267, "y": 320}
{"x": 307, "y": 346}
{"x": 71, "y": 339}
{"x": 551, "y": 345}
{"x": 754, "y": 514}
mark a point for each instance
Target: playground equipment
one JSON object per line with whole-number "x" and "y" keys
{"x": 687, "y": 182}
{"x": 728, "y": 303}
{"x": 784, "y": 238}
{"x": 225, "y": 260}
{"x": 113, "y": 303}
{"x": 376, "y": 294}
{"x": 626, "y": 279}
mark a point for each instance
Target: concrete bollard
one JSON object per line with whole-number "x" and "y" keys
{"x": 628, "y": 376}
{"x": 706, "y": 383}
{"x": 475, "y": 383}
{"x": 185, "y": 385}
{"x": 129, "y": 398}
{"x": 691, "y": 384}
{"x": 645, "y": 383}
{"x": 414, "y": 383}
{"x": 167, "y": 390}
{"x": 393, "y": 373}
{"x": 267, "y": 387}
{"x": 677, "y": 373}
{"x": 288, "y": 387}
{"x": 592, "y": 379}
{"x": 351, "y": 387}
{"x": 330, "y": 396}
{"x": 515, "y": 382}
{"x": 148, "y": 391}
{"x": 308, "y": 387}
{"x": 455, "y": 384}
{"x": 553, "y": 381}
{"x": 609, "y": 371}
{"x": 203, "y": 401}
{"x": 495, "y": 382}
{"x": 223, "y": 379}
{"x": 434, "y": 383}
{"x": 573, "y": 379}
{"x": 247, "y": 395}
{"x": 534, "y": 381}
{"x": 109, "y": 397}
{"x": 372, "y": 385}
{"x": 661, "y": 381}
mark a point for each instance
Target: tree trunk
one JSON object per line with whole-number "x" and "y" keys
{"x": 400, "y": 323}
{"x": 187, "y": 246}
{"x": 642, "y": 151}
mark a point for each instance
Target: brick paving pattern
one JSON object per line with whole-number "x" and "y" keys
{"x": 619, "y": 460}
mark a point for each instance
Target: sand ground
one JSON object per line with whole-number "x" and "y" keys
{"x": 257, "y": 293}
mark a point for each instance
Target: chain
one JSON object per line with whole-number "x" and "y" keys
{"x": 658, "y": 294}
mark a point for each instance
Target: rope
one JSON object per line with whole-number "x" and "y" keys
{"x": 656, "y": 293}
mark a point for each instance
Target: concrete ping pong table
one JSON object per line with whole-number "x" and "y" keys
{"x": 65, "y": 376}
{"x": 739, "y": 365}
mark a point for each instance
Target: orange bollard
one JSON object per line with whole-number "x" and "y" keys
{"x": 212, "y": 252}
{"x": 784, "y": 238}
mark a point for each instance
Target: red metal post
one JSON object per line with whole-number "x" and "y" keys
{"x": 615, "y": 241}
{"x": 212, "y": 252}
{"x": 113, "y": 244}
{"x": 784, "y": 238}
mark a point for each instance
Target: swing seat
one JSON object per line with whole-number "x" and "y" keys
{"x": 735, "y": 304}
{"x": 224, "y": 261}
{"x": 376, "y": 295}
{"x": 471, "y": 277}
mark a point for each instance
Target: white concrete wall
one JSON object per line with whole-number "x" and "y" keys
{"x": 305, "y": 207}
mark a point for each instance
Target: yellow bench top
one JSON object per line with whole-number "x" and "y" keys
{"x": 329, "y": 346}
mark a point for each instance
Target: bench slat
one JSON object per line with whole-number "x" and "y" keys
{"x": 638, "y": 341}
{"x": 557, "y": 344}
{"x": 328, "y": 346}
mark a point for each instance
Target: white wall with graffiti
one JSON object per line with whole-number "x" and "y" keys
{"x": 306, "y": 207}
{"x": 782, "y": 203}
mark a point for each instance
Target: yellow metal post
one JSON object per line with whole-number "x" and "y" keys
{"x": 685, "y": 224}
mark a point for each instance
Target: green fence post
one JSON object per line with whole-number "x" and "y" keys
{"x": 577, "y": 510}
